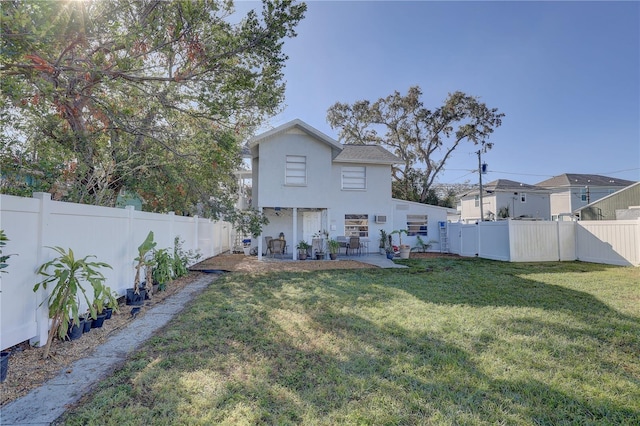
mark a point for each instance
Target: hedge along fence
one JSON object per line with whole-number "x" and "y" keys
{"x": 111, "y": 234}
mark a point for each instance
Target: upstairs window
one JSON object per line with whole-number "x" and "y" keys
{"x": 417, "y": 224}
{"x": 476, "y": 201}
{"x": 356, "y": 225}
{"x": 354, "y": 178}
{"x": 296, "y": 170}
{"x": 523, "y": 197}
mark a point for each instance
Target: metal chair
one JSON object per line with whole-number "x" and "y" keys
{"x": 353, "y": 244}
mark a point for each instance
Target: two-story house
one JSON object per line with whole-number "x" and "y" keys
{"x": 306, "y": 182}
{"x": 503, "y": 199}
{"x": 571, "y": 192}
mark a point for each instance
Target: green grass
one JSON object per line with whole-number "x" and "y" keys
{"x": 446, "y": 341}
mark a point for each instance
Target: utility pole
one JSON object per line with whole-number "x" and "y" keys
{"x": 480, "y": 178}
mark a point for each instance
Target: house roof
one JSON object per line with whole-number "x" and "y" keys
{"x": 366, "y": 154}
{"x": 574, "y": 179}
{"x": 505, "y": 185}
{"x": 299, "y": 124}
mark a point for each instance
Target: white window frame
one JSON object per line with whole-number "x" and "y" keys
{"x": 295, "y": 170}
{"x": 354, "y": 178}
{"x": 476, "y": 201}
{"x": 356, "y": 225}
{"x": 523, "y": 197}
{"x": 417, "y": 224}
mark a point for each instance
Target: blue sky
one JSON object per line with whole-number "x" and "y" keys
{"x": 566, "y": 74}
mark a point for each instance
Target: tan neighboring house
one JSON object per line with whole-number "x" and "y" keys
{"x": 306, "y": 182}
{"x": 504, "y": 199}
{"x": 570, "y": 192}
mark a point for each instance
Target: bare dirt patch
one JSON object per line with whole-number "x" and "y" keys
{"x": 250, "y": 264}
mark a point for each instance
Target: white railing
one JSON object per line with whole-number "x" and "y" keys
{"x": 112, "y": 235}
{"x": 615, "y": 242}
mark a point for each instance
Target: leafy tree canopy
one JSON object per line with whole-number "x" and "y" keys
{"x": 145, "y": 95}
{"x": 418, "y": 136}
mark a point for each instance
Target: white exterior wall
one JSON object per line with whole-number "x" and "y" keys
{"x": 272, "y": 191}
{"x": 434, "y": 215}
{"x": 112, "y": 235}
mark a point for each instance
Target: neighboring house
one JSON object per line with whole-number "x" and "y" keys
{"x": 571, "y": 192}
{"x": 621, "y": 205}
{"x": 306, "y": 182}
{"x": 502, "y": 199}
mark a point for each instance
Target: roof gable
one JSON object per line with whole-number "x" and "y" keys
{"x": 293, "y": 125}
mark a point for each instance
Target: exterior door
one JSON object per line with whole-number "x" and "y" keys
{"x": 311, "y": 224}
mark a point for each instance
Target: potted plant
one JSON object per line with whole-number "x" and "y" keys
{"x": 334, "y": 247}
{"x": 405, "y": 249}
{"x": 136, "y": 295}
{"x": 246, "y": 246}
{"x": 111, "y": 303}
{"x": 389, "y": 252}
{"x": 66, "y": 274}
{"x": 102, "y": 296}
{"x": 303, "y": 249}
{"x": 320, "y": 236}
{"x": 248, "y": 224}
{"x": 383, "y": 241}
{"x": 163, "y": 270}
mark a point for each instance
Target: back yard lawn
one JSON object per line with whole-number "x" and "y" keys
{"x": 447, "y": 341}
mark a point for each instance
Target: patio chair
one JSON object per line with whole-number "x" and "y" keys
{"x": 354, "y": 245}
{"x": 277, "y": 246}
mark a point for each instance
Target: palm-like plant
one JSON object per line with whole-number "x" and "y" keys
{"x": 66, "y": 274}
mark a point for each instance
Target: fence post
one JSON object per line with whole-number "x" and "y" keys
{"x": 172, "y": 237}
{"x": 131, "y": 245}
{"x": 196, "y": 224}
{"x": 42, "y": 311}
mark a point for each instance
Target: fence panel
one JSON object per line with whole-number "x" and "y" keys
{"x": 468, "y": 240}
{"x": 112, "y": 235}
{"x": 18, "y": 303}
{"x": 615, "y": 242}
{"x": 453, "y": 232}
{"x": 493, "y": 240}
{"x": 533, "y": 241}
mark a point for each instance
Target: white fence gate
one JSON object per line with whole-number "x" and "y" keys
{"x": 112, "y": 235}
{"x": 615, "y": 242}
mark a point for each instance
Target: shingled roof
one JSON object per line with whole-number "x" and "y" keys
{"x": 366, "y": 154}
{"x": 574, "y": 179}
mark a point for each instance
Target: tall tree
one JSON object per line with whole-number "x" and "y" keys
{"x": 146, "y": 95}
{"x": 421, "y": 138}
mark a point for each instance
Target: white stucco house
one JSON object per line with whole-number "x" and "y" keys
{"x": 502, "y": 199}
{"x": 306, "y": 182}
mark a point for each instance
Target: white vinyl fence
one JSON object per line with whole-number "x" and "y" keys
{"x": 112, "y": 235}
{"x": 614, "y": 242}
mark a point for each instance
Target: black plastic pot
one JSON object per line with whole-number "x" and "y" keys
{"x": 75, "y": 330}
{"x": 99, "y": 321}
{"x": 4, "y": 365}
{"x": 135, "y": 299}
{"x": 108, "y": 312}
{"x": 87, "y": 324}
